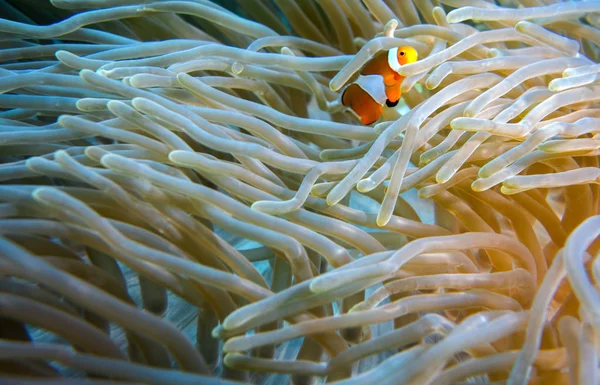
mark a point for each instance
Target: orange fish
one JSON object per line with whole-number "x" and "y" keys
{"x": 378, "y": 84}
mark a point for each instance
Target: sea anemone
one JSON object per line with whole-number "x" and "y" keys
{"x": 183, "y": 198}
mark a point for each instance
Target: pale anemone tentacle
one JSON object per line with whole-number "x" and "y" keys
{"x": 185, "y": 198}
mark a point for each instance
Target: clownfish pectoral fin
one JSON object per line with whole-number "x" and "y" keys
{"x": 393, "y": 95}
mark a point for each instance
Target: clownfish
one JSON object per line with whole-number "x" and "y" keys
{"x": 378, "y": 84}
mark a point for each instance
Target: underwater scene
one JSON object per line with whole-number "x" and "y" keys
{"x": 280, "y": 192}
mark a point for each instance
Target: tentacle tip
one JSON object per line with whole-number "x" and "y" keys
{"x": 383, "y": 219}
{"x": 287, "y": 51}
{"x": 452, "y": 18}
{"x": 442, "y": 177}
{"x": 61, "y": 154}
{"x": 364, "y": 185}
{"x": 40, "y": 193}
{"x": 455, "y": 124}
{"x": 493, "y": 52}
{"x": 84, "y": 72}
{"x": 113, "y": 105}
{"x": 509, "y": 191}
{"x": 379, "y": 128}
{"x": 64, "y": 120}
{"x": 258, "y": 206}
{"x": 237, "y": 68}
{"x": 229, "y": 359}
{"x": 484, "y": 173}
{"x": 424, "y": 159}
{"x": 315, "y": 190}
{"x": 390, "y": 27}
{"x": 478, "y": 186}
{"x": 217, "y": 332}
{"x": 521, "y": 26}
{"x": 554, "y": 87}
{"x": 111, "y": 161}
{"x": 227, "y": 324}
{"x": 423, "y": 194}
{"x": 139, "y": 101}
{"x": 469, "y": 113}
{"x": 135, "y": 82}
{"x": 333, "y": 86}
{"x": 175, "y": 155}
{"x": 332, "y": 201}
{"x": 62, "y": 53}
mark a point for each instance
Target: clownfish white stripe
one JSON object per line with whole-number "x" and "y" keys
{"x": 373, "y": 85}
{"x": 393, "y": 59}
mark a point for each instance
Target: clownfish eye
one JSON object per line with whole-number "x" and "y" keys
{"x": 402, "y": 53}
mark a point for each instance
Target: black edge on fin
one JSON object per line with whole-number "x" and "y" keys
{"x": 391, "y": 104}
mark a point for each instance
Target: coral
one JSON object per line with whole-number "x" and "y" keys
{"x": 184, "y": 199}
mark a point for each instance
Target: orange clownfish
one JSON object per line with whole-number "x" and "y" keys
{"x": 378, "y": 84}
